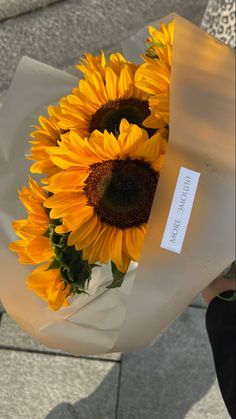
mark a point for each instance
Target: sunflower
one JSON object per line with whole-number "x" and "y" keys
{"x": 105, "y": 190}
{"x": 105, "y": 95}
{"x": 35, "y": 248}
{"x": 46, "y": 134}
{"x": 153, "y": 76}
{"x": 160, "y": 43}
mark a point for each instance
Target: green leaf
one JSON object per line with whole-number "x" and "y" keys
{"x": 79, "y": 291}
{"x": 57, "y": 253}
{"x": 47, "y": 233}
{"x": 118, "y": 277}
{"x": 55, "y": 264}
{"x": 64, "y": 274}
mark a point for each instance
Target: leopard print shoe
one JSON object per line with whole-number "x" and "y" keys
{"x": 219, "y": 20}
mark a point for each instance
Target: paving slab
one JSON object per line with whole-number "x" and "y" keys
{"x": 61, "y": 32}
{"x": 174, "y": 378}
{"x": 12, "y": 336}
{"x": 36, "y": 386}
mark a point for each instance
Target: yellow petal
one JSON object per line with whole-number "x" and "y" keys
{"x": 68, "y": 180}
{"x": 105, "y": 146}
{"x": 158, "y": 164}
{"x": 152, "y": 121}
{"x": 133, "y": 241}
{"x": 48, "y": 285}
{"x": 130, "y": 139}
{"x": 57, "y": 299}
{"x": 20, "y": 248}
{"x": 37, "y": 190}
{"x": 111, "y": 83}
{"x": 124, "y": 125}
{"x": 62, "y": 199}
{"x": 85, "y": 234}
{"x": 122, "y": 262}
{"x": 88, "y": 91}
{"x": 62, "y": 229}
{"x": 18, "y": 224}
{"x": 99, "y": 250}
{"x": 149, "y": 150}
{"x": 97, "y": 85}
{"x": 126, "y": 83}
{"x": 76, "y": 218}
{"x": 47, "y": 126}
{"x": 114, "y": 242}
{"x": 40, "y": 249}
{"x": 116, "y": 62}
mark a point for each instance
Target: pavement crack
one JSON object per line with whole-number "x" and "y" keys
{"x": 196, "y": 306}
{"x": 58, "y": 354}
{"x": 118, "y": 390}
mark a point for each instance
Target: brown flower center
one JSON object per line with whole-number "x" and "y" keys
{"x": 109, "y": 116}
{"x": 121, "y": 191}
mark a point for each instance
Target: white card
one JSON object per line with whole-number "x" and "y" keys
{"x": 180, "y": 210}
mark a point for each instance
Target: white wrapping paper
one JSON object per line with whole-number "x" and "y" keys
{"x": 156, "y": 291}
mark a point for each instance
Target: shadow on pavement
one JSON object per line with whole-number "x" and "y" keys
{"x": 152, "y": 385}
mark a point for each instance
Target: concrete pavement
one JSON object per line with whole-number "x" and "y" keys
{"x": 173, "y": 379}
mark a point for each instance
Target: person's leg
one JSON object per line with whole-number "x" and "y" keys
{"x": 219, "y": 21}
{"x": 221, "y": 329}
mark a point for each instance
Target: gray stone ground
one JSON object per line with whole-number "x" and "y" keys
{"x": 174, "y": 378}
{"x": 59, "y": 33}
{"x": 12, "y": 8}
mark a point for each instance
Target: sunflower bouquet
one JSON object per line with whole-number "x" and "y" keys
{"x": 100, "y": 151}
{"x": 105, "y": 263}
